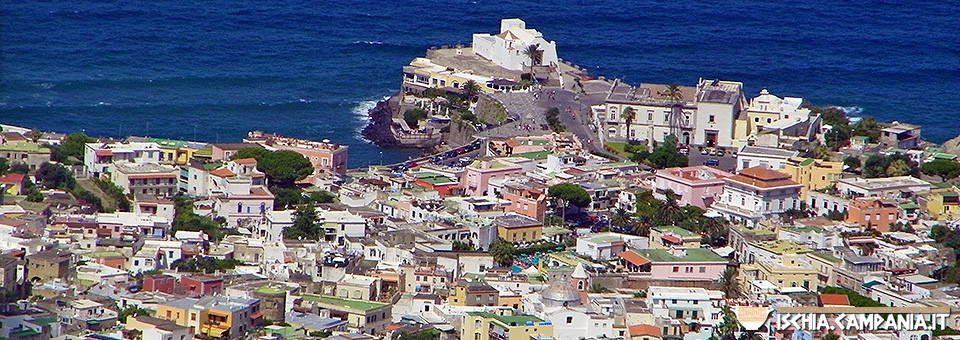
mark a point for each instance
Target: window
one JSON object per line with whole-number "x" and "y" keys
{"x": 696, "y": 302}
{"x": 680, "y": 314}
{"x": 712, "y": 119}
{"x": 569, "y": 319}
{"x": 703, "y": 269}
{"x": 676, "y": 269}
{"x": 193, "y": 316}
{"x": 674, "y": 301}
{"x": 688, "y": 270}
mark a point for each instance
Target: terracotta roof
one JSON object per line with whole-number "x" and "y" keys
{"x": 834, "y": 300}
{"x": 761, "y": 177}
{"x": 103, "y": 153}
{"x": 644, "y": 330}
{"x": 763, "y": 173}
{"x": 12, "y": 178}
{"x": 245, "y": 161}
{"x": 222, "y": 172}
{"x": 260, "y": 191}
{"x": 633, "y": 258}
{"x": 672, "y": 239}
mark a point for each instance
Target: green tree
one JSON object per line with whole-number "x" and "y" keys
{"x": 946, "y": 169}
{"x": 596, "y": 287}
{"x": 629, "y": 114}
{"x": 413, "y": 117}
{"x": 837, "y": 137}
{"x": 71, "y": 148}
{"x": 323, "y": 196}
{"x": 285, "y": 198}
{"x": 463, "y": 246}
{"x": 305, "y": 226}
{"x": 19, "y": 168}
{"x": 868, "y": 127}
{"x": 570, "y": 194}
{"x": 666, "y": 155}
{"x": 728, "y": 326}
{"x": 621, "y": 218}
{"x": 852, "y": 162}
{"x": 35, "y": 135}
{"x": 4, "y": 166}
{"x": 898, "y": 167}
{"x": 502, "y": 252}
{"x": 729, "y": 284}
{"x": 252, "y": 152}
{"x": 285, "y": 167}
{"x": 471, "y": 89}
{"x": 55, "y": 176}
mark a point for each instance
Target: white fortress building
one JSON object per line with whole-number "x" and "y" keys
{"x": 506, "y": 49}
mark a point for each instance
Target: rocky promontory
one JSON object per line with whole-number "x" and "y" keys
{"x": 378, "y": 130}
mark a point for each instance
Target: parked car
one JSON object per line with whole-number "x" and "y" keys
{"x": 712, "y": 161}
{"x": 704, "y": 152}
{"x": 721, "y": 152}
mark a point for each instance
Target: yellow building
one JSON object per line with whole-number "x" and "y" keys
{"x": 177, "y": 151}
{"x": 789, "y": 272}
{"x": 216, "y": 316}
{"x": 425, "y": 73}
{"x": 503, "y": 325}
{"x": 941, "y": 203}
{"x": 473, "y": 293}
{"x": 811, "y": 173}
{"x": 519, "y": 229}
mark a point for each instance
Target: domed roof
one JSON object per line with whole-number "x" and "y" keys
{"x": 560, "y": 291}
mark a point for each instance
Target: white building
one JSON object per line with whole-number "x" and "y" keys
{"x": 685, "y": 306}
{"x": 770, "y": 158}
{"x": 339, "y": 225}
{"x": 506, "y": 49}
{"x": 755, "y": 194}
{"x": 704, "y": 115}
{"x": 239, "y": 191}
{"x": 145, "y": 178}
{"x": 606, "y": 246}
{"x": 890, "y": 187}
{"x": 98, "y": 158}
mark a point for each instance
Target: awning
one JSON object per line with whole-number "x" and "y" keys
{"x": 672, "y": 239}
{"x": 633, "y": 258}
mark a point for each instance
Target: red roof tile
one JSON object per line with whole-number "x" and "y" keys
{"x": 222, "y": 172}
{"x": 672, "y": 239}
{"x": 633, "y": 258}
{"x": 834, "y": 300}
{"x": 644, "y": 330}
{"x": 103, "y": 153}
{"x": 12, "y": 178}
{"x": 245, "y": 161}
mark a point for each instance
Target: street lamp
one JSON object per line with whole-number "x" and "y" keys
{"x": 381, "y": 158}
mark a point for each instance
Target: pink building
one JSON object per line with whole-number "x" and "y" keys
{"x": 696, "y": 185}
{"x": 476, "y": 178}
{"x": 676, "y": 263}
{"x": 325, "y": 156}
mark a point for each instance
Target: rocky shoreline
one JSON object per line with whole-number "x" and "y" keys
{"x": 377, "y": 130}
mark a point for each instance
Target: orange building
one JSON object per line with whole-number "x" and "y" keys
{"x": 529, "y": 200}
{"x": 873, "y": 213}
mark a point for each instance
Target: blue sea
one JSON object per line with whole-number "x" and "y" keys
{"x": 213, "y": 70}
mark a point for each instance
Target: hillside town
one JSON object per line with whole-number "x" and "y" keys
{"x": 552, "y": 205}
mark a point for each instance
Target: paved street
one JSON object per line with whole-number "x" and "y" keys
{"x": 574, "y": 108}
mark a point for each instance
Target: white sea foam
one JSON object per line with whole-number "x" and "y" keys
{"x": 362, "y": 113}
{"x": 368, "y": 42}
{"x": 851, "y": 110}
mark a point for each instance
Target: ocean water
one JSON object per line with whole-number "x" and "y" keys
{"x": 213, "y": 70}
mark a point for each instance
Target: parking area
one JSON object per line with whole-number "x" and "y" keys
{"x": 727, "y": 162}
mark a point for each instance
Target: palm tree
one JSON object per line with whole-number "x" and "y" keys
{"x": 643, "y": 225}
{"x": 670, "y": 211}
{"x": 674, "y": 94}
{"x": 536, "y": 56}
{"x": 729, "y": 284}
{"x": 35, "y": 135}
{"x": 726, "y": 329}
{"x": 471, "y": 89}
{"x": 629, "y": 114}
{"x": 621, "y": 218}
